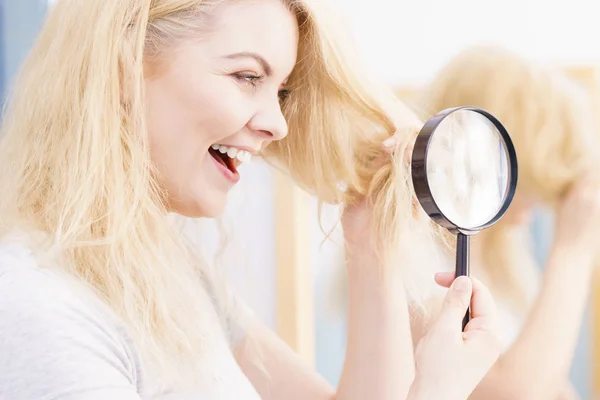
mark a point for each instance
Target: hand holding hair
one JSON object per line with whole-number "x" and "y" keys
{"x": 578, "y": 217}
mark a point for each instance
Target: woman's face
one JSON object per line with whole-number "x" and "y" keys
{"x": 221, "y": 92}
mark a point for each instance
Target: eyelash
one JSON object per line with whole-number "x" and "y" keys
{"x": 252, "y": 79}
{"x": 249, "y": 78}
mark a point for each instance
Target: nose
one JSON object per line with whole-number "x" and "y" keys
{"x": 269, "y": 121}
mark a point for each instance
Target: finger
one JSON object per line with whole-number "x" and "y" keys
{"x": 479, "y": 324}
{"x": 444, "y": 279}
{"x": 477, "y": 334}
{"x": 390, "y": 144}
{"x": 487, "y": 343}
{"x": 482, "y": 301}
{"x": 456, "y": 303}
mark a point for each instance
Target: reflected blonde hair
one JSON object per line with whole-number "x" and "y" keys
{"x": 75, "y": 165}
{"x": 550, "y": 121}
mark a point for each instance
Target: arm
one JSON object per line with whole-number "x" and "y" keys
{"x": 379, "y": 362}
{"x": 537, "y": 364}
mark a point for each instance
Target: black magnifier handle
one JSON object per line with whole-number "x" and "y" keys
{"x": 462, "y": 265}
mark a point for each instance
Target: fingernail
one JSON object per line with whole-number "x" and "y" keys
{"x": 462, "y": 284}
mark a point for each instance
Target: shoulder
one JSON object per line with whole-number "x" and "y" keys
{"x": 54, "y": 339}
{"x": 29, "y": 290}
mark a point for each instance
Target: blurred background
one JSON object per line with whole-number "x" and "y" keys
{"x": 297, "y": 282}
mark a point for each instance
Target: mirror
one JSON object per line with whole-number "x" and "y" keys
{"x": 464, "y": 171}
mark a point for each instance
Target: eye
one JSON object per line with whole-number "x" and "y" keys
{"x": 248, "y": 78}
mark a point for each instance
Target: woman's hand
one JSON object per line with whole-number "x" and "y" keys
{"x": 379, "y": 362}
{"x": 357, "y": 217}
{"x": 450, "y": 363}
{"x": 578, "y": 218}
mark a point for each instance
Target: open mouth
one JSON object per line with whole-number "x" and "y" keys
{"x": 230, "y": 157}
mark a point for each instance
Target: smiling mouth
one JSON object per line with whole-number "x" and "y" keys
{"x": 229, "y": 157}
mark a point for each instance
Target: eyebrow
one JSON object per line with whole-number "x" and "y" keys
{"x": 257, "y": 57}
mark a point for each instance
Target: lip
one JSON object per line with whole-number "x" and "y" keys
{"x": 233, "y": 178}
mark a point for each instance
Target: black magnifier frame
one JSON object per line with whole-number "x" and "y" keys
{"x": 423, "y": 190}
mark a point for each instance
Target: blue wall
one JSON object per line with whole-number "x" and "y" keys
{"x": 1, "y": 48}
{"x": 20, "y": 21}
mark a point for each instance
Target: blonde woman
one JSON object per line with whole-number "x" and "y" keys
{"x": 549, "y": 120}
{"x": 129, "y": 110}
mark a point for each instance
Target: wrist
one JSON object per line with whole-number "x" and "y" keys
{"x": 361, "y": 254}
{"x": 366, "y": 268}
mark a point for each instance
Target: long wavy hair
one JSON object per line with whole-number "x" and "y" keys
{"x": 550, "y": 120}
{"x": 75, "y": 164}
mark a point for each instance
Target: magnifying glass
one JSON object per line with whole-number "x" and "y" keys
{"x": 464, "y": 172}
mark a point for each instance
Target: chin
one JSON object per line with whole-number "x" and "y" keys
{"x": 211, "y": 213}
{"x": 203, "y": 212}
{"x": 201, "y": 209}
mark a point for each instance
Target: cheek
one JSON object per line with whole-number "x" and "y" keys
{"x": 222, "y": 116}
{"x": 175, "y": 141}
{"x": 222, "y": 107}
{"x": 196, "y": 112}
{"x": 183, "y": 123}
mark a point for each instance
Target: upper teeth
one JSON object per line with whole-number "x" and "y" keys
{"x": 232, "y": 152}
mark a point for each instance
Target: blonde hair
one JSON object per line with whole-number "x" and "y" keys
{"x": 550, "y": 122}
{"x": 75, "y": 165}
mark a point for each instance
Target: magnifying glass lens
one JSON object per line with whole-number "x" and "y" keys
{"x": 467, "y": 169}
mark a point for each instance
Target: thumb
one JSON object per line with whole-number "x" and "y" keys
{"x": 456, "y": 302}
